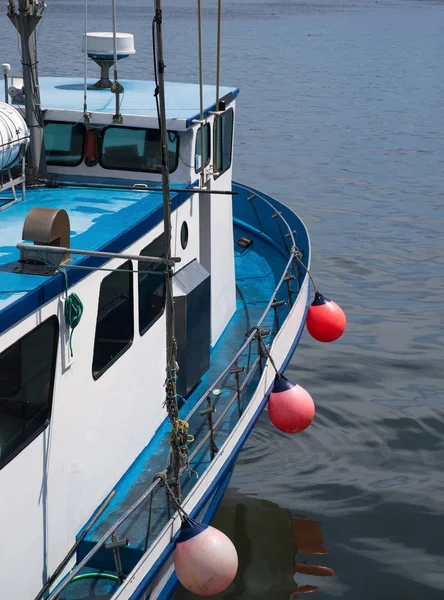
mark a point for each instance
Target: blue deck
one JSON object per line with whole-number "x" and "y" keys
{"x": 101, "y": 219}
{"x": 258, "y": 270}
{"x": 182, "y": 99}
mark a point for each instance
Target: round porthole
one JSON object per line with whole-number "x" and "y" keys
{"x": 184, "y": 235}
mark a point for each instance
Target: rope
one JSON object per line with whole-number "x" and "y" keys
{"x": 73, "y": 308}
{"x": 264, "y": 346}
{"x": 297, "y": 254}
{"x": 170, "y": 384}
{"x": 179, "y": 436}
{"x": 183, "y": 515}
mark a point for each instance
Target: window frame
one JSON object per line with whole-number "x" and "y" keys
{"x": 130, "y": 270}
{"x": 143, "y": 330}
{"x": 218, "y": 119}
{"x": 152, "y": 171}
{"x": 206, "y": 137}
{"x": 64, "y": 164}
{"x": 39, "y": 430}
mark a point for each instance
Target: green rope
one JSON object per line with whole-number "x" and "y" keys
{"x": 73, "y": 308}
{"x": 73, "y": 314}
{"x": 94, "y": 576}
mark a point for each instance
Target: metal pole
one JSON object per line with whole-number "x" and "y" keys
{"x": 121, "y": 255}
{"x": 6, "y": 68}
{"x": 25, "y": 22}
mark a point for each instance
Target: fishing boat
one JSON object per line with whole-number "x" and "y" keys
{"x": 148, "y": 305}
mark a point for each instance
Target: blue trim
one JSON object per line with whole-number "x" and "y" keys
{"x": 281, "y": 384}
{"x": 319, "y": 299}
{"x": 52, "y": 288}
{"x": 106, "y": 57}
{"x": 189, "y": 529}
{"x": 147, "y": 580}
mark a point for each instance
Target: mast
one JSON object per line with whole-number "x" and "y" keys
{"x": 160, "y": 96}
{"x": 171, "y": 400}
{"x": 25, "y": 20}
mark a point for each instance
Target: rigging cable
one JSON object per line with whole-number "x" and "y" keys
{"x": 202, "y": 124}
{"x": 85, "y": 74}
{"x": 217, "y": 124}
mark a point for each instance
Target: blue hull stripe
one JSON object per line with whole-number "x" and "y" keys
{"x": 147, "y": 580}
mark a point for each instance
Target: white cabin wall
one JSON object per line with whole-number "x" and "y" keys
{"x": 223, "y": 282}
{"x": 189, "y": 212}
{"x": 97, "y": 428}
{"x": 217, "y": 248}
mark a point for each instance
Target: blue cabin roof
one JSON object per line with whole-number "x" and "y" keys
{"x": 101, "y": 219}
{"x": 182, "y": 99}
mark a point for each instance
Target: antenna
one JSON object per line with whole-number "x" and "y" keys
{"x": 6, "y": 69}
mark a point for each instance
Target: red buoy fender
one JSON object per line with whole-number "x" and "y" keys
{"x": 290, "y": 408}
{"x": 325, "y": 321}
{"x": 205, "y": 559}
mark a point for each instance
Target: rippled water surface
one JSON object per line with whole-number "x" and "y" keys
{"x": 341, "y": 116}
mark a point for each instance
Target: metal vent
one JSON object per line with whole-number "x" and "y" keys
{"x": 45, "y": 227}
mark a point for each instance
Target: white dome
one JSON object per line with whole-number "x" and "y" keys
{"x": 100, "y": 44}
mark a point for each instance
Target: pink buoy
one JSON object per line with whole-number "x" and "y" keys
{"x": 205, "y": 559}
{"x": 291, "y": 408}
{"x": 326, "y": 320}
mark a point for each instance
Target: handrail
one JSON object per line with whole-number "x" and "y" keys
{"x": 252, "y": 335}
{"x": 103, "y": 539}
{"x": 152, "y": 488}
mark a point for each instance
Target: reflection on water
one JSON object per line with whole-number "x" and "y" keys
{"x": 263, "y": 535}
{"x": 275, "y": 549}
{"x": 308, "y": 540}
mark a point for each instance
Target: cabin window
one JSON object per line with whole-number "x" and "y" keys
{"x": 27, "y": 371}
{"x": 130, "y": 149}
{"x": 223, "y": 142}
{"x": 115, "y": 319}
{"x": 151, "y": 286}
{"x": 207, "y": 142}
{"x": 64, "y": 143}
